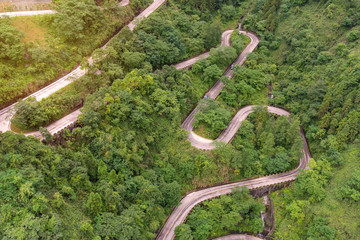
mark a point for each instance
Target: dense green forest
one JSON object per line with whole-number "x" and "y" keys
{"x": 119, "y": 173}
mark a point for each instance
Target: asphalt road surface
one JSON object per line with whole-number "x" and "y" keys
{"x": 206, "y": 144}
{"x": 229, "y": 132}
{"x": 225, "y": 41}
{"x": 144, "y": 14}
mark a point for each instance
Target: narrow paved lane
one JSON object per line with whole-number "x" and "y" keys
{"x": 213, "y": 93}
{"x": 226, "y": 135}
{"x": 155, "y": 5}
{"x": 225, "y": 41}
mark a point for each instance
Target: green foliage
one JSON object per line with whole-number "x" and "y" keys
{"x": 32, "y": 114}
{"x": 311, "y": 183}
{"x": 11, "y": 47}
{"x": 352, "y": 189}
{"x": 319, "y": 229}
{"x": 223, "y": 56}
{"x": 273, "y": 144}
{"x": 245, "y": 83}
{"x": 134, "y": 81}
{"x": 120, "y": 173}
{"x": 212, "y": 116}
{"x": 212, "y": 73}
{"x": 133, "y": 59}
{"x": 211, "y": 33}
{"x": 236, "y": 212}
{"x": 76, "y": 19}
{"x": 94, "y": 204}
{"x": 228, "y": 12}
{"x": 183, "y": 232}
{"x": 238, "y": 41}
{"x": 353, "y": 35}
{"x": 29, "y": 115}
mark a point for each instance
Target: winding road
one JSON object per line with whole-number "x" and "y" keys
{"x": 179, "y": 215}
{"x": 206, "y": 144}
{"x": 191, "y": 200}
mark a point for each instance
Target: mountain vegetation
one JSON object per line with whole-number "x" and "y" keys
{"x": 119, "y": 173}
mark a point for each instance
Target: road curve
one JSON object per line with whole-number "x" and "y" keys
{"x": 225, "y": 41}
{"x": 7, "y": 113}
{"x": 179, "y": 215}
{"x": 206, "y": 144}
{"x": 229, "y": 132}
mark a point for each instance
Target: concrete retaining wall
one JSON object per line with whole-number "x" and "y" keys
{"x": 24, "y": 5}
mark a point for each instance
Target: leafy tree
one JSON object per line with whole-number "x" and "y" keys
{"x": 134, "y": 81}
{"x": 319, "y": 229}
{"x": 94, "y": 204}
{"x": 183, "y": 232}
{"x": 353, "y": 36}
{"x": 237, "y": 212}
{"x": 228, "y": 12}
{"x": 212, "y": 73}
{"x": 133, "y": 59}
{"x": 171, "y": 193}
{"x": 279, "y": 163}
{"x": 212, "y": 116}
{"x": 352, "y": 189}
{"x": 310, "y": 184}
{"x": 75, "y": 19}
{"x": 165, "y": 102}
{"x": 11, "y": 47}
{"x": 211, "y": 33}
{"x": 222, "y": 56}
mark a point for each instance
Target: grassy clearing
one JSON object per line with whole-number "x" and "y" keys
{"x": 343, "y": 215}
{"x": 31, "y": 27}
